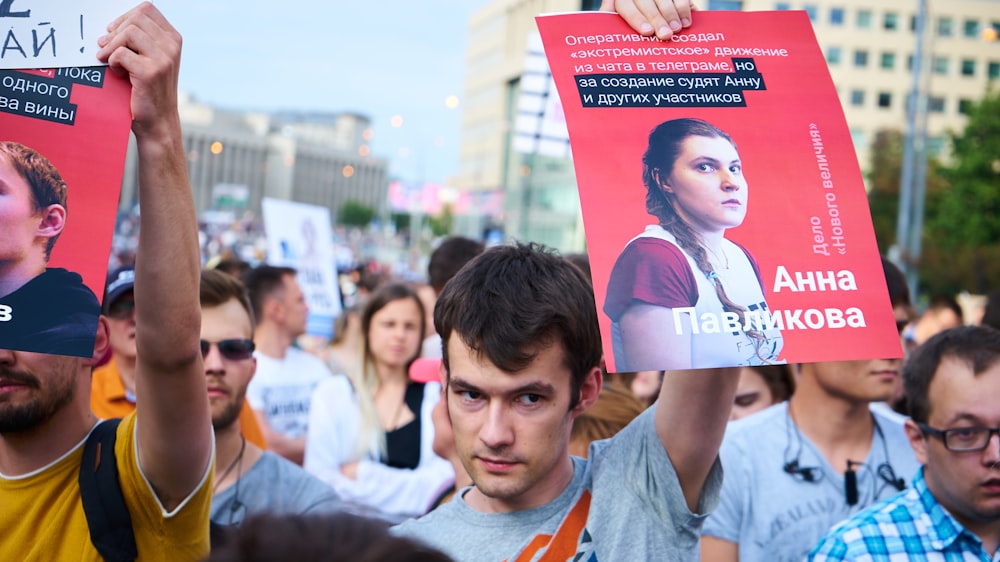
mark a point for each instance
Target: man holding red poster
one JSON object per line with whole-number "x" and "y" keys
{"x": 727, "y": 221}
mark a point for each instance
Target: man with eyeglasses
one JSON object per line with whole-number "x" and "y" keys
{"x": 112, "y": 388}
{"x": 952, "y": 511}
{"x": 248, "y": 480}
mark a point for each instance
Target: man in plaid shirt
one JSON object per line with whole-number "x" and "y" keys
{"x": 952, "y": 512}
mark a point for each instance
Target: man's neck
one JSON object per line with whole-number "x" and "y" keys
{"x": 234, "y": 456}
{"x": 272, "y": 340}
{"x": 841, "y": 429}
{"x": 126, "y": 370}
{"x": 15, "y": 275}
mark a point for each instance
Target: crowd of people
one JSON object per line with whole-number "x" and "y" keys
{"x": 470, "y": 418}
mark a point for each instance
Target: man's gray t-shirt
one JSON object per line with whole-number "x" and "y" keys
{"x": 777, "y": 516}
{"x": 624, "y": 503}
{"x": 273, "y": 485}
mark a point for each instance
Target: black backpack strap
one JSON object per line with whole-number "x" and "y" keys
{"x": 107, "y": 514}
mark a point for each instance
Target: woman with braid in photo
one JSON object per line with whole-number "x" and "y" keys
{"x": 679, "y": 288}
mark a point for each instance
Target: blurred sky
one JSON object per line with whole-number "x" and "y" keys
{"x": 379, "y": 58}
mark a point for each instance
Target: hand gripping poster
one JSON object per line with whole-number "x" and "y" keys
{"x": 63, "y": 136}
{"x": 725, "y": 213}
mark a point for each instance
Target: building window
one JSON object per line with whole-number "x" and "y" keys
{"x": 935, "y": 105}
{"x": 939, "y": 65}
{"x": 836, "y": 16}
{"x": 833, "y": 55}
{"x": 884, "y": 99}
{"x": 913, "y": 24}
{"x": 993, "y": 70}
{"x": 725, "y": 5}
{"x": 890, "y": 21}
{"x": 861, "y": 58}
{"x": 970, "y": 29}
{"x": 864, "y": 19}
{"x": 857, "y": 98}
{"x": 813, "y": 12}
{"x": 859, "y": 139}
{"x": 782, "y": 6}
{"x": 968, "y": 67}
{"x": 590, "y": 5}
{"x": 964, "y": 106}
{"x": 944, "y": 27}
{"x": 888, "y": 61}
{"x": 909, "y": 62}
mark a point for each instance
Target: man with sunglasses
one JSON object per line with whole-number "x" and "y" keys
{"x": 248, "y": 480}
{"x": 952, "y": 511}
{"x": 112, "y": 388}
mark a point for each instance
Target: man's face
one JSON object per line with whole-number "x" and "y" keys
{"x": 227, "y": 378}
{"x": 121, "y": 325}
{"x": 858, "y": 381}
{"x": 293, "y": 306}
{"x": 19, "y": 221}
{"x": 34, "y": 387}
{"x": 966, "y": 483}
{"x": 512, "y": 429}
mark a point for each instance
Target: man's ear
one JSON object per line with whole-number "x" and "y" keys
{"x": 101, "y": 342}
{"x": 918, "y": 441}
{"x": 590, "y": 389}
{"x": 52, "y": 222}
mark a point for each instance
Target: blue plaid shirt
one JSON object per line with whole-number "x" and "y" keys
{"x": 910, "y": 526}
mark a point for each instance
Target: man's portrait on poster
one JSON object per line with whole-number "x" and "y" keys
{"x": 681, "y": 295}
{"x": 42, "y": 309}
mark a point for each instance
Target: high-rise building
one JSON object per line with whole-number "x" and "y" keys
{"x": 869, "y": 47}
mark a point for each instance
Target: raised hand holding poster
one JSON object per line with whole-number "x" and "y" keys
{"x": 725, "y": 214}
{"x": 63, "y": 137}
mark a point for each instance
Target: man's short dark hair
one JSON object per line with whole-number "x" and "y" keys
{"x": 449, "y": 257}
{"x": 899, "y": 291}
{"x": 265, "y": 281}
{"x": 47, "y": 185}
{"x": 512, "y": 302}
{"x": 218, "y": 288}
{"x": 976, "y": 346}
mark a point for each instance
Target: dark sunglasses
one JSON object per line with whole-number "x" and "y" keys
{"x": 121, "y": 309}
{"x": 236, "y": 349}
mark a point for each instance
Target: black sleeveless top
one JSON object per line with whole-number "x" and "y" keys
{"x": 403, "y": 443}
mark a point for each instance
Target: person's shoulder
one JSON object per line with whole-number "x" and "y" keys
{"x": 851, "y": 536}
{"x": 290, "y": 474}
{"x": 442, "y": 516}
{"x": 306, "y": 360}
{"x": 767, "y": 420}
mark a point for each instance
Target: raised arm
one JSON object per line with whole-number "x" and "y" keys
{"x": 174, "y": 430}
{"x": 662, "y": 17}
{"x": 691, "y": 416}
{"x": 649, "y": 340}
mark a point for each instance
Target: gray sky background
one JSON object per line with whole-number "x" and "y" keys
{"x": 379, "y": 58}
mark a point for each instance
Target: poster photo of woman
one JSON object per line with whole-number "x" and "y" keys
{"x": 725, "y": 212}
{"x": 683, "y": 265}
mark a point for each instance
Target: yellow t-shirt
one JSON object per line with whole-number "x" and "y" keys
{"x": 42, "y": 518}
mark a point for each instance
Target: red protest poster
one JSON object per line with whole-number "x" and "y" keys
{"x": 724, "y": 209}
{"x": 63, "y": 138}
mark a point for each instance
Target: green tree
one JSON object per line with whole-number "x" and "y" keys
{"x": 965, "y": 220}
{"x": 355, "y": 213}
{"x": 883, "y": 181}
{"x": 442, "y": 223}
